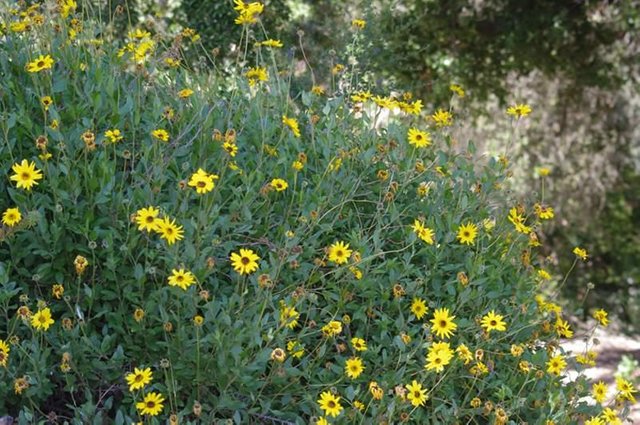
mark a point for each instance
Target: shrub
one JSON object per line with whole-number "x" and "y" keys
{"x": 188, "y": 246}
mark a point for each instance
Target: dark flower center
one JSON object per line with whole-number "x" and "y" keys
{"x": 245, "y": 260}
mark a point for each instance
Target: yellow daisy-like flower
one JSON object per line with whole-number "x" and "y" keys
{"x": 418, "y": 138}
{"x": 580, "y": 253}
{"x": 147, "y": 218}
{"x": 181, "y": 278}
{"x": 425, "y": 233}
{"x": 359, "y": 344}
{"x": 322, "y": 421}
{"x": 11, "y": 217}
{"x": 330, "y": 404}
{"x": 601, "y": 316}
{"x": 493, "y": 322}
{"x": 442, "y": 118}
{"x": 594, "y": 420}
{"x": 464, "y": 353}
{"x": 244, "y": 262}
{"x": 599, "y": 391}
{"x": 519, "y": 110}
{"x": 610, "y": 417}
{"x": 416, "y": 394}
{"x": 339, "y": 252}
{"x": 113, "y": 136}
{"x": 457, "y": 90}
{"x": 151, "y": 404}
{"x": 443, "y": 324}
{"x": 292, "y": 123}
{"x": 353, "y": 367}
{"x": 418, "y": 308}
{"x": 160, "y": 134}
{"x": 256, "y": 74}
{"x": 26, "y": 174}
{"x": 169, "y": 230}
{"x": 543, "y": 212}
{"x": 202, "y": 181}
{"x": 279, "y": 185}
{"x": 556, "y": 364}
{"x": 288, "y": 315}
{"x": 42, "y": 319}
{"x": 139, "y": 378}
{"x": 332, "y": 328}
{"x": 185, "y": 93}
{"x": 4, "y": 353}
{"x": 272, "y": 43}
{"x": 467, "y": 233}
{"x": 358, "y": 23}
{"x": 439, "y": 355}
{"x": 41, "y": 63}
{"x": 295, "y": 349}
{"x": 625, "y": 389}
{"x": 46, "y": 101}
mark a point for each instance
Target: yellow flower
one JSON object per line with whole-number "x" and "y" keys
{"x": 317, "y": 90}
{"x": 330, "y": 404}
{"x": 353, "y": 367}
{"x": 160, "y": 134}
{"x": 442, "y": 118}
{"x": 202, "y": 181}
{"x": 375, "y": 390}
{"x": 339, "y": 252}
{"x": 543, "y": 274}
{"x": 439, "y": 355}
{"x": 245, "y": 262}
{"x": 295, "y": 349}
{"x": 594, "y": 420}
{"x": 57, "y": 291}
{"x": 332, "y": 328}
{"x": 139, "y": 378}
{"x": 358, "y": 23}
{"x": 26, "y": 174}
{"x": 184, "y": 93}
{"x": 418, "y": 308}
{"x": 256, "y": 74}
{"x": 271, "y": 43}
{"x": 146, "y": 219}
{"x": 151, "y": 404}
{"x": 580, "y": 253}
{"x": 457, "y": 90}
{"x": 11, "y": 217}
{"x": 625, "y": 389}
{"x": 418, "y": 138}
{"x": 288, "y": 315}
{"x": 556, "y": 364}
{"x": 41, "y": 63}
{"x": 464, "y": 353}
{"x": 46, "y": 101}
{"x": 601, "y": 316}
{"x": 443, "y": 324}
{"x": 543, "y": 212}
{"x": 113, "y": 136}
{"x": 544, "y": 171}
{"x": 610, "y": 417}
{"x": 416, "y": 394}
{"x": 4, "y": 353}
{"x": 80, "y": 263}
{"x": 42, "y": 319}
{"x": 358, "y": 344}
{"x": 467, "y": 233}
{"x": 493, "y": 322}
{"x": 292, "y": 123}
{"x": 181, "y": 278}
{"x": 519, "y": 110}
{"x": 279, "y": 185}
{"x": 562, "y": 328}
{"x": 169, "y": 230}
{"x": 599, "y": 391}
{"x": 424, "y": 233}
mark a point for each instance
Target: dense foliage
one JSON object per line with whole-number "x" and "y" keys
{"x": 199, "y": 246}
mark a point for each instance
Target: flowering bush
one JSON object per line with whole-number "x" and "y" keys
{"x": 187, "y": 246}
